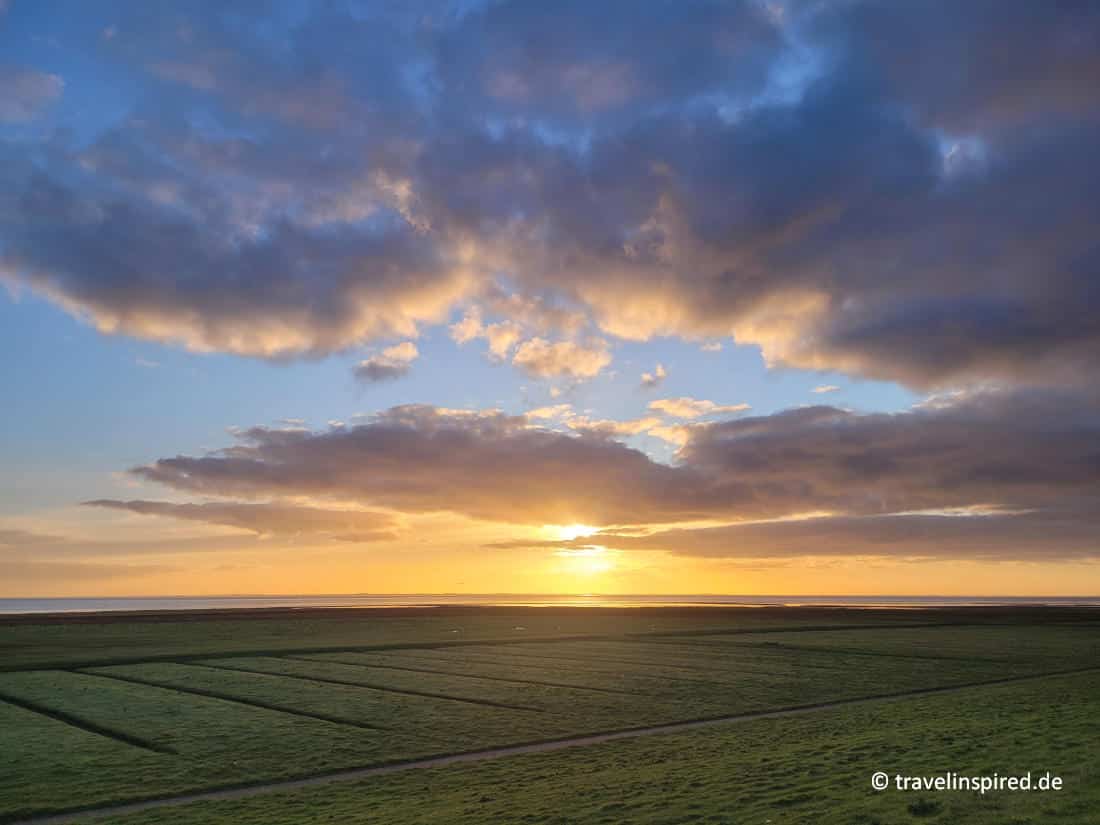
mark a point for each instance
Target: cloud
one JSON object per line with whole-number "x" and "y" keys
{"x": 239, "y": 234}
{"x": 24, "y": 575}
{"x": 652, "y": 380}
{"x": 565, "y": 415}
{"x": 11, "y": 537}
{"x": 676, "y": 434}
{"x": 292, "y": 290}
{"x": 555, "y": 411}
{"x": 712, "y": 346}
{"x": 269, "y": 519}
{"x": 26, "y": 92}
{"x": 693, "y": 407}
{"x": 1022, "y": 449}
{"x": 424, "y": 459}
{"x": 502, "y": 336}
{"x": 393, "y": 362}
{"x": 609, "y": 427}
{"x": 1027, "y": 536}
{"x": 818, "y": 183}
{"x": 540, "y": 358}
{"x": 824, "y": 388}
{"x": 1020, "y": 60}
{"x": 994, "y": 455}
{"x": 469, "y": 328}
{"x": 524, "y": 317}
{"x": 579, "y": 64}
{"x": 697, "y": 224}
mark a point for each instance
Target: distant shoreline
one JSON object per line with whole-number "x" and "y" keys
{"x": 987, "y": 612}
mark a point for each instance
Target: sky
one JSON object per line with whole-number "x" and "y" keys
{"x": 788, "y": 297}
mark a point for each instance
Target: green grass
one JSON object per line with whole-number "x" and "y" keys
{"x": 812, "y": 769}
{"x": 215, "y": 743}
{"x": 226, "y": 702}
{"x": 59, "y": 644}
{"x": 408, "y": 725}
{"x": 1023, "y": 647}
{"x": 77, "y": 764}
{"x": 673, "y": 678}
{"x": 560, "y": 703}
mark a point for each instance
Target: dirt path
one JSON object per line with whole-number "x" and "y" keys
{"x": 354, "y": 774}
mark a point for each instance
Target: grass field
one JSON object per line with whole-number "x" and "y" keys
{"x": 198, "y": 703}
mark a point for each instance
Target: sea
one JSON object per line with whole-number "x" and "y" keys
{"x": 143, "y": 603}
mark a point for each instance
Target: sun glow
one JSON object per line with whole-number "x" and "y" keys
{"x": 568, "y": 532}
{"x": 587, "y": 561}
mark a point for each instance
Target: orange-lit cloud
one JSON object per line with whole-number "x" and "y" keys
{"x": 988, "y": 453}
{"x": 693, "y": 407}
{"x": 392, "y": 362}
{"x": 652, "y": 380}
{"x": 540, "y": 358}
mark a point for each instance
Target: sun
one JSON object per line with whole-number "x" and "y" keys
{"x": 568, "y": 532}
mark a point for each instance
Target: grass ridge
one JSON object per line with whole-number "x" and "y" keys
{"x": 83, "y": 724}
{"x": 365, "y": 686}
{"x": 465, "y": 675}
{"x": 228, "y": 697}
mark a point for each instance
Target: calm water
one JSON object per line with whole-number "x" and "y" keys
{"x": 510, "y": 599}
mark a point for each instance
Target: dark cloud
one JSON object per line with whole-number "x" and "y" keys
{"x": 269, "y": 519}
{"x": 835, "y": 234}
{"x": 375, "y": 369}
{"x": 983, "y": 535}
{"x": 904, "y": 190}
{"x": 421, "y": 459}
{"x": 980, "y": 64}
{"x": 1012, "y": 449}
{"x": 579, "y": 64}
{"x": 173, "y": 262}
{"x": 962, "y": 469}
{"x": 253, "y": 201}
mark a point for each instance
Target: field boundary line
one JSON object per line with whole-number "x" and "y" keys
{"x": 608, "y": 661}
{"x": 610, "y": 667}
{"x": 346, "y": 683}
{"x": 584, "y": 740}
{"x": 453, "y": 673}
{"x": 454, "y": 643}
{"x": 85, "y": 725}
{"x": 781, "y": 646}
{"x": 238, "y": 700}
{"x": 381, "y": 647}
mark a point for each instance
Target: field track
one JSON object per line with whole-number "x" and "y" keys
{"x": 354, "y": 774}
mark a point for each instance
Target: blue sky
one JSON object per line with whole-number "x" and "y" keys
{"x": 103, "y": 406}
